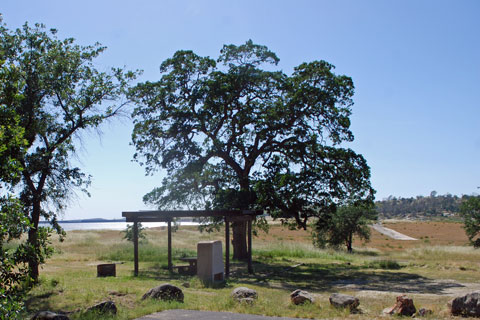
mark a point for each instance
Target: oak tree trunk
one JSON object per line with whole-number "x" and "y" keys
{"x": 32, "y": 240}
{"x": 349, "y": 243}
{"x": 239, "y": 241}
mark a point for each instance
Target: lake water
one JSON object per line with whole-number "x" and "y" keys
{"x": 113, "y": 225}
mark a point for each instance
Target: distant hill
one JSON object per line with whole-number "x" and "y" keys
{"x": 420, "y": 207}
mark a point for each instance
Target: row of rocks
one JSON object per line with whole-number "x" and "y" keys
{"x": 298, "y": 297}
{"x": 468, "y": 305}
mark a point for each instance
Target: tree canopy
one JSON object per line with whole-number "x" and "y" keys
{"x": 470, "y": 212}
{"x": 13, "y": 222}
{"x": 60, "y": 94}
{"x": 234, "y": 133}
{"x": 338, "y": 227}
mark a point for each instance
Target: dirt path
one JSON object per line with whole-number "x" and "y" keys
{"x": 391, "y": 233}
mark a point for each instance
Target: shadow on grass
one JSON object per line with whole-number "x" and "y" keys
{"x": 335, "y": 276}
{"x": 41, "y": 301}
{"x": 160, "y": 272}
{"x": 319, "y": 277}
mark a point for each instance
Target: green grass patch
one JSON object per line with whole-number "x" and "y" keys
{"x": 292, "y": 250}
{"x": 146, "y": 253}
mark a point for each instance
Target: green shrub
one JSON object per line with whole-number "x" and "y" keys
{"x": 384, "y": 264}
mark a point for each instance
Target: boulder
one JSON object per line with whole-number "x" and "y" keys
{"x": 49, "y": 315}
{"x": 244, "y": 295}
{"x": 104, "y": 307}
{"x": 467, "y": 305}
{"x": 165, "y": 291}
{"x": 300, "y": 297}
{"x": 403, "y": 307}
{"x": 339, "y": 300}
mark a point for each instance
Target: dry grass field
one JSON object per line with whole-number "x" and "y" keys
{"x": 432, "y": 270}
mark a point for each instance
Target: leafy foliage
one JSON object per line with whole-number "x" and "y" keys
{"x": 60, "y": 93}
{"x": 232, "y": 134}
{"x": 129, "y": 232}
{"x": 338, "y": 227}
{"x": 470, "y": 212}
{"x": 13, "y": 222}
{"x": 10, "y": 306}
{"x": 332, "y": 177}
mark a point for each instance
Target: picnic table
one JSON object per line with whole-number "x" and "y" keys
{"x": 190, "y": 269}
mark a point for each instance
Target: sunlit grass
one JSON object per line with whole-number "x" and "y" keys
{"x": 443, "y": 254}
{"x": 69, "y": 282}
{"x": 298, "y": 250}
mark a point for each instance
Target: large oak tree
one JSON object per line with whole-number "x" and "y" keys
{"x": 232, "y": 132}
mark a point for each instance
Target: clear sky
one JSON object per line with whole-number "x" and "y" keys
{"x": 415, "y": 65}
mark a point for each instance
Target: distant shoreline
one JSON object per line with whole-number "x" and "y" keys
{"x": 101, "y": 220}
{"x": 94, "y": 220}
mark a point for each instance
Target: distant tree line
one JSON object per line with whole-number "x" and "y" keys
{"x": 421, "y": 206}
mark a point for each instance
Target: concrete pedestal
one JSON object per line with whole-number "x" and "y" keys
{"x": 210, "y": 261}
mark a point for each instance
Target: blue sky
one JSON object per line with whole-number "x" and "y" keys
{"x": 415, "y": 65}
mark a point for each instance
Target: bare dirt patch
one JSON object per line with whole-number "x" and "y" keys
{"x": 429, "y": 233}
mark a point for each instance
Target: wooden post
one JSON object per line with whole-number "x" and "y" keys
{"x": 170, "y": 267}
{"x": 135, "y": 248}
{"x": 249, "y": 231}
{"x": 227, "y": 248}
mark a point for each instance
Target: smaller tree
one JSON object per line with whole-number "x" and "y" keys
{"x": 60, "y": 94}
{"x": 129, "y": 232}
{"x": 470, "y": 212}
{"x": 13, "y": 222}
{"x": 339, "y": 226}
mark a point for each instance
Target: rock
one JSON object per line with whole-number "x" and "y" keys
{"x": 165, "y": 291}
{"x": 244, "y": 295}
{"x": 186, "y": 284}
{"x": 49, "y": 315}
{"x": 424, "y": 312}
{"x": 300, "y": 297}
{"x": 104, "y": 307}
{"x": 339, "y": 300}
{"x": 403, "y": 307}
{"x": 467, "y": 305}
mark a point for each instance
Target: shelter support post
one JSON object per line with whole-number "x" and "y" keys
{"x": 167, "y": 216}
{"x": 170, "y": 266}
{"x": 135, "y": 248}
{"x": 249, "y": 226}
{"x": 227, "y": 248}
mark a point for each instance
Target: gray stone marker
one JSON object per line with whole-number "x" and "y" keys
{"x": 210, "y": 261}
